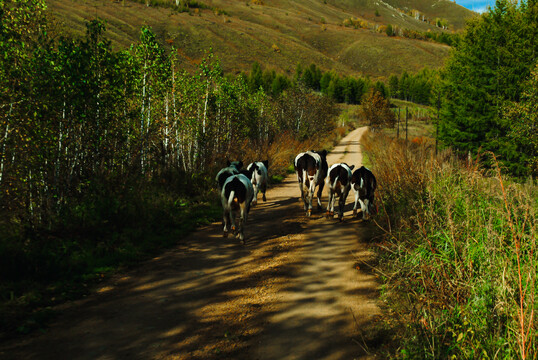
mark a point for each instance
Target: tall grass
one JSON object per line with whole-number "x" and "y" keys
{"x": 459, "y": 254}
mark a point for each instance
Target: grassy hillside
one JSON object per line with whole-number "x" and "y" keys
{"x": 279, "y": 34}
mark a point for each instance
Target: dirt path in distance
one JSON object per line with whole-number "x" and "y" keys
{"x": 299, "y": 289}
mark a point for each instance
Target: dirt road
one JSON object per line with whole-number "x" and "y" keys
{"x": 299, "y": 289}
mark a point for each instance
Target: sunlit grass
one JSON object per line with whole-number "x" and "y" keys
{"x": 459, "y": 256}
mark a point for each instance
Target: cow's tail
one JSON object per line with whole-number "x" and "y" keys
{"x": 333, "y": 185}
{"x": 231, "y": 199}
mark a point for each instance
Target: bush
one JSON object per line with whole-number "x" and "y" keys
{"x": 459, "y": 255}
{"x": 376, "y": 110}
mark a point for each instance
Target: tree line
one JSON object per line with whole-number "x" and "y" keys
{"x": 341, "y": 89}
{"x": 82, "y": 123}
{"x": 487, "y": 81}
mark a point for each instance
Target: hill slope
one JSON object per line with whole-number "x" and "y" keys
{"x": 278, "y": 34}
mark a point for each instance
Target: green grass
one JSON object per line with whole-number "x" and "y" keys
{"x": 92, "y": 243}
{"x": 456, "y": 241}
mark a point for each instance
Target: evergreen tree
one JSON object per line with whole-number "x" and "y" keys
{"x": 381, "y": 88}
{"x": 308, "y": 78}
{"x": 393, "y": 86}
{"x": 522, "y": 118}
{"x": 316, "y": 77}
{"x": 487, "y": 68}
{"x": 280, "y": 83}
{"x": 267, "y": 80}
{"x": 335, "y": 90}
{"x": 255, "y": 80}
{"x": 324, "y": 82}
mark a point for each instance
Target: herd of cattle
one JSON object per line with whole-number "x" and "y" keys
{"x": 239, "y": 187}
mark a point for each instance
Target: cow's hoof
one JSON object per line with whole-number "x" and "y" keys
{"x": 354, "y": 212}
{"x": 264, "y": 198}
{"x": 341, "y": 218}
{"x": 225, "y": 234}
{"x": 308, "y": 213}
{"x": 242, "y": 241}
{"x": 254, "y": 203}
{"x": 328, "y": 214}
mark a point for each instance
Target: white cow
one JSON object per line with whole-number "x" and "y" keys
{"x": 259, "y": 178}
{"x": 236, "y": 196}
{"x": 339, "y": 182}
{"x": 231, "y": 169}
{"x": 311, "y": 168}
{"x": 364, "y": 185}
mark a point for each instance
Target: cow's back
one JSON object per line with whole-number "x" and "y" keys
{"x": 340, "y": 172}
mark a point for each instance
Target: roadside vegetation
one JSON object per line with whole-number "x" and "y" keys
{"x": 458, "y": 254}
{"x": 458, "y": 258}
{"x": 107, "y": 157}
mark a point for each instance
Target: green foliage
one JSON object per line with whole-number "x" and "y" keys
{"x": 459, "y": 255}
{"x": 389, "y": 30}
{"x": 488, "y": 68}
{"x": 106, "y": 156}
{"x": 415, "y": 88}
{"x": 522, "y": 119}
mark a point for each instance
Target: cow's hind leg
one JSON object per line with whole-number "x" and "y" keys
{"x": 363, "y": 209}
{"x": 309, "y": 203}
{"x": 342, "y": 204}
{"x": 320, "y": 190}
{"x": 366, "y": 214}
{"x": 356, "y": 201}
{"x": 226, "y": 220}
{"x": 233, "y": 216}
{"x": 263, "y": 188}
{"x": 329, "y": 202}
{"x": 242, "y": 222}
{"x": 255, "y": 198}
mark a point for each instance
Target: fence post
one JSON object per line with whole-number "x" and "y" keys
{"x": 406, "y": 116}
{"x": 398, "y": 126}
{"x": 437, "y": 127}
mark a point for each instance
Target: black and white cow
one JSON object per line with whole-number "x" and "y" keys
{"x": 364, "y": 185}
{"x": 339, "y": 182}
{"x": 311, "y": 168}
{"x": 259, "y": 178}
{"x": 231, "y": 169}
{"x": 236, "y": 196}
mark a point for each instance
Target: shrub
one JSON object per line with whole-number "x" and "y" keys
{"x": 459, "y": 255}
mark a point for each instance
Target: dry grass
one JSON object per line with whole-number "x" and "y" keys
{"x": 459, "y": 254}
{"x": 251, "y": 32}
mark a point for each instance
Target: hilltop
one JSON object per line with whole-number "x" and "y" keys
{"x": 343, "y": 35}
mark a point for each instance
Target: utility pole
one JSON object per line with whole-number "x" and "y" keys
{"x": 398, "y": 125}
{"x": 437, "y": 127}
{"x": 406, "y": 116}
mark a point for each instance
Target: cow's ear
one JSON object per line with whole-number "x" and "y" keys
{"x": 323, "y": 153}
{"x": 228, "y": 162}
{"x": 266, "y": 163}
{"x": 351, "y": 167}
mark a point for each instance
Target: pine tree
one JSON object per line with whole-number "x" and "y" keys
{"x": 393, "y": 86}
{"x": 487, "y": 68}
{"x": 522, "y": 118}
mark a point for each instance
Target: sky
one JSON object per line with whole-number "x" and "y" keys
{"x": 476, "y": 5}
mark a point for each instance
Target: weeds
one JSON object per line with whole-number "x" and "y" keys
{"x": 459, "y": 254}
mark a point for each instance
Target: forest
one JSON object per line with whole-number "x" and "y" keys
{"x": 103, "y": 153}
